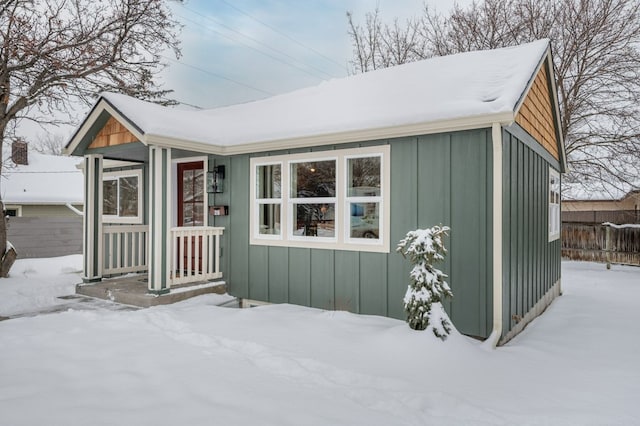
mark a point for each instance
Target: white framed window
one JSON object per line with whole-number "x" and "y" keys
{"x": 330, "y": 199}
{"x": 268, "y": 200}
{"x": 554, "y": 204}
{"x": 122, "y": 197}
{"x": 312, "y": 199}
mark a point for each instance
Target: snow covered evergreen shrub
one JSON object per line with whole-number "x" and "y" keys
{"x": 422, "y": 301}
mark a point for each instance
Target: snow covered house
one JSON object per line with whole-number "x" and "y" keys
{"x": 301, "y": 198}
{"x": 35, "y": 184}
{"x": 43, "y": 198}
{"x": 595, "y": 206}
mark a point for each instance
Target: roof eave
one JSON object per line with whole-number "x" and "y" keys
{"x": 458, "y": 124}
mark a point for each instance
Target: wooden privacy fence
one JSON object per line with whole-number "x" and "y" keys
{"x": 600, "y": 243}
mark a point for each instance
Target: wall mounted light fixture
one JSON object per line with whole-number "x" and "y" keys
{"x": 215, "y": 180}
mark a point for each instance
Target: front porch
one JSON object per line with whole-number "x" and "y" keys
{"x": 194, "y": 266}
{"x": 132, "y": 290}
{"x": 146, "y": 234}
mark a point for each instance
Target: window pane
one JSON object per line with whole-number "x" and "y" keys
{"x": 128, "y": 196}
{"x": 187, "y": 185}
{"x": 198, "y": 214}
{"x": 314, "y": 220}
{"x": 268, "y": 181}
{"x": 365, "y": 220}
{"x": 313, "y": 179}
{"x": 198, "y": 185}
{"x": 110, "y": 197}
{"x": 269, "y": 219}
{"x": 364, "y": 177}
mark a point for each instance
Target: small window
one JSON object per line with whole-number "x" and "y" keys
{"x": 554, "y": 205}
{"x": 122, "y": 195}
{"x": 269, "y": 199}
{"x": 364, "y": 197}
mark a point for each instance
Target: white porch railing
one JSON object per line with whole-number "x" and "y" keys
{"x": 196, "y": 253}
{"x": 125, "y": 248}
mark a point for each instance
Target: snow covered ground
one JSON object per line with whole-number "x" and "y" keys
{"x": 194, "y": 363}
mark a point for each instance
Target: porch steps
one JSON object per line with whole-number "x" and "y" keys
{"x": 133, "y": 291}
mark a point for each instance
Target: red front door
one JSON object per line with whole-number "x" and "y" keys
{"x": 191, "y": 196}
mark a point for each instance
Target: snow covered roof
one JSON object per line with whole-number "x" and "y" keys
{"x": 47, "y": 179}
{"x": 474, "y": 88}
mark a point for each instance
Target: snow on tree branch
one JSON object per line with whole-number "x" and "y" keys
{"x": 423, "y": 299}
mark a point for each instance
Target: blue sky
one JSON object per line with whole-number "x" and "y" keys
{"x": 236, "y": 51}
{"x": 302, "y": 43}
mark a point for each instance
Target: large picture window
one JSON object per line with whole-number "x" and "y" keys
{"x": 330, "y": 199}
{"x": 554, "y": 205}
{"x": 313, "y": 198}
{"x": 121, "y": 196}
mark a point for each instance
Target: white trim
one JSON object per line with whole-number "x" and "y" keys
{"x": 116, "y": 175}
{"x": 382, "y": 214}
{"x": 307, "y": 158}
{"x": 554, "y": 222}
{"x": 100, "y": 107}
{"x": 340, "y": 240}
{"x": 496, "y": 136}
{"x": 253, "y": 219}
{"x": 439, "y": 126}
{"x": 174, "y": 186}
{"x": 92, "y": 219}
{"x": 463, "y": 123}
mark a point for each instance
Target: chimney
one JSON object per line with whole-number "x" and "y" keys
{"x": 19, "y": 152}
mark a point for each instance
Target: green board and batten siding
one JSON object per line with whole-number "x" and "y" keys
{"x": 435, "y": 179}
{"x": 531, "y": 264}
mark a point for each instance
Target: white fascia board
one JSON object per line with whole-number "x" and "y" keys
{"x": 556, "y": 106}
{"x": 102, "y": 105}
{"x": 111, "y": 164}
{"x": 42, "y": 203}
{"x": 466, "y": 123}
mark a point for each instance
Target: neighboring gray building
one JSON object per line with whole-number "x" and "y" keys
{"x": 301, "y": 198}
{"x": 43, "y": 199}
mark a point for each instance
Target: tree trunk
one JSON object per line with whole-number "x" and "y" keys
{"x": 7, "y": 262}
{"x": 7, "y": 256}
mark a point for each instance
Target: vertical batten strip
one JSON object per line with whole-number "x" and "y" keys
{"x": 496, "y": 136}
{"x": 92, "y": 218}
{"x": 160, "y": 244}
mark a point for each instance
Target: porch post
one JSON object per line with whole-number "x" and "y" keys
{"x": 92, "y": 219}
{"x": 159, "y": 219}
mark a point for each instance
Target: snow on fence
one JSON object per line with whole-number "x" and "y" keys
{"x": 125, "y": 248}
{"x": 601, "y": 243}
{"x": 196, "y": 251}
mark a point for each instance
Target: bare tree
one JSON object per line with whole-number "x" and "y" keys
{"x": 380, "y": 46}
{"x": 54, "y": 53}
{"x": 50, "y": 143}
{"x": 596, "y": 47}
